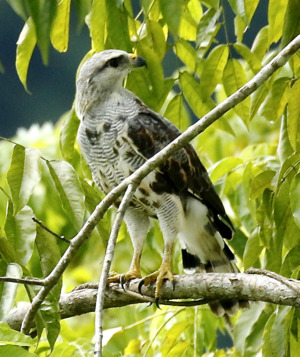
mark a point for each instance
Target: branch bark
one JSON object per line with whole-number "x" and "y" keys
{"x": 198, "y": 288}
{"x": 150, "y": 165}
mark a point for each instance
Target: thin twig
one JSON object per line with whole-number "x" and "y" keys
{"x": 275, "y": 276}
{"x": 106, "y": 268}
{"x": 40, "y": 223}
{"x": 265, "y": 73}
{"x": 24, "y": 281}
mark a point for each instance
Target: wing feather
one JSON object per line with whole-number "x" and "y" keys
{"x": 182, "y": 173}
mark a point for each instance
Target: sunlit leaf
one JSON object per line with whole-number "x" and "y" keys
{"x": 291, "y": 27}
{"x": 9, "y": 336}
{"x": 234, "y": 78}
{"x": 191, "y": 90}
{"x": 60, "y": 26}
{"x": 252, "y": 250}
{"x": 188, "y": 26}
{"x": 213, "y": 70}
{"x": 248, "y": 56}
{"x": 207, "y": 29}
{"x": 284, "y": 149}
{"x": 250, "y": 7}
{"x": 25, "y": 46}
{"x": 224, "y": 167}
{"x": 260, "y": 44}
{"x": 69, "y": 190}
{"x": 293, "y": 118}
{"x": 186, "y": 53}
{"x": 239, "y": 28}
{"x": 177, "y": 113}
{"x": 238, "y": 6}
{"x": 261, "y": 182}
{"x": 21, "y": 232}
{"x": 257, "y": 99}
{"x": 68, "y": 136}
{"x": 276, "y": 12}
{"x": 157, "y": 38}
{"x": 23, "y": 175}
{"x": 42, "y": 13}
{"x": 97, "y": 25}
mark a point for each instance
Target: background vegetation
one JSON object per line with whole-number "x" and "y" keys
{"x": 252, "y": 154}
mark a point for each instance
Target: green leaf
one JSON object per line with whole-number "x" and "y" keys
{"x": 284, "y": 149}
{"x": 20, "y": 231}
{"x": 249, "y": 57}
{"x": 239, "y": 28}
{"x": 15, "y": 351}
{"x": 19, "y": 7}
{"x": 238, "y": 6}
{"x": 186, "y": 53}
{"x": 98, "y": 25}
{"x": 42, "y": 13}
{"x": 172, "y": 335}
{"x": 7, "y": 250}
{"x": 274, "y": 339}
{"x": 207, "y": 30}
{"x": 260, "y": 44}
{"x": 9, "y": 291}
{"x": 293, "y": 118}
{"x": 68, "y": 136}
{"x": 118, "y": 35}
{"x": 252, "y": 251}
{"x": 188, "y": 25}
{"x": 25, "y": 46}
{"x": 250, "y": 7}
{"x": 213, "y": 70}
{"x": 295, "y": 198}
{"x": 276, "y": 12}
{"x": 224, "y": 167}
{"x": 171, "y": 11}
{"x": 234, "y": 78}
{"x": 69, "y": 190}
{"x": 276, "y": 100}
{"x": 156, "y": 38}
{"x": 176, "y": 113}
{"x": 291, "y": 262}
{"x": 11, "y": 337}
{"x": 60, "y": 26}
{"x": 261, "y": 182}
{"x": 192, "y": 92}
{"x": 291, "y": 27}
{"x": 257, "y": 99}
{"x": 23, "y": 175}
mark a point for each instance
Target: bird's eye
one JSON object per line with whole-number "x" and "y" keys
{"x": 114, "y": 62}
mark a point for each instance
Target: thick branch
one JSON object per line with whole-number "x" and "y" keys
{"x": 203, "y": 287}
{"x": 265, "y": 73}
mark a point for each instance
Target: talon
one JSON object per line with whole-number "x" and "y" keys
{"x": 157, "y": 303}
{"x": 122, "y": 281}
{"x": 141, "y": 283}
{"x": 173, "y": 284}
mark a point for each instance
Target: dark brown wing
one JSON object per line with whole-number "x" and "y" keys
{"x": 182, "y": 173}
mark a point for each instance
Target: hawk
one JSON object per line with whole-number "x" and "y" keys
{"x": 117, "y": 134}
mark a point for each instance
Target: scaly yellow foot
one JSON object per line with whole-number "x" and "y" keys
{"x": 123, "y": 278}
{"x": 163, "y": 273}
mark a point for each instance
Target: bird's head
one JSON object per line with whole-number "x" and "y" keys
{"x": 106, "y": 70}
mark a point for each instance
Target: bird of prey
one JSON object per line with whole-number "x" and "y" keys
{"x": 117, "y": 134}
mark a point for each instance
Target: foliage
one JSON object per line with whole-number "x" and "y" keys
{"x": 253, "y": 155}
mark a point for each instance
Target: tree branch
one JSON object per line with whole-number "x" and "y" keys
{"x": 150, "y": 165}
{"x": 195, "y": 288}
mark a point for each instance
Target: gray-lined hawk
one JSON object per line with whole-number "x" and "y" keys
{"x": 117, "y": 134}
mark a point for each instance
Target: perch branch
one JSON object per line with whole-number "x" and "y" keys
{"x": 237, "y": 97}
{"x": 194, "y": 289}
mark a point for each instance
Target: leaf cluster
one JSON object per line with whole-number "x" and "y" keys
{"x": 253, "y": 156}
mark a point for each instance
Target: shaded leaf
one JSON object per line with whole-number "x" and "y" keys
{"x": 238, "y": 6}
{"x": 171, "y": 11}
{"x": 60, "y": 26}
{"x": 69, "y": 190}
{"x": 9, "y": 291}
{"x": 15, "y": 351}
{"x": 260, "y": 44}
{"x": 25, "y": 46}
{"x": 186, "y": 53}
{"x": 10, "y": 336}
{"x": 295, "y": 198}
{"x": 284, "y": 149}
{"x": 157, "y": 38}
{"x": 293, "y": 118}
{"x": 23, "y": 175}
{"x": 252, "y": 251}
{"x": 261, "y": 182}
{"x": 19, "y": 6}
{"x": 291, "y": 27}
{"x": 118, "y": 35}
{"x": 248, "y": 56}
{"x": 20, "y": 231}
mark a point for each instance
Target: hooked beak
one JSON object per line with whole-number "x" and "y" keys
{"x": 137, "y": 61}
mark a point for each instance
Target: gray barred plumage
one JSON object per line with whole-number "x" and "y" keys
{"x": 117, "y": 134}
